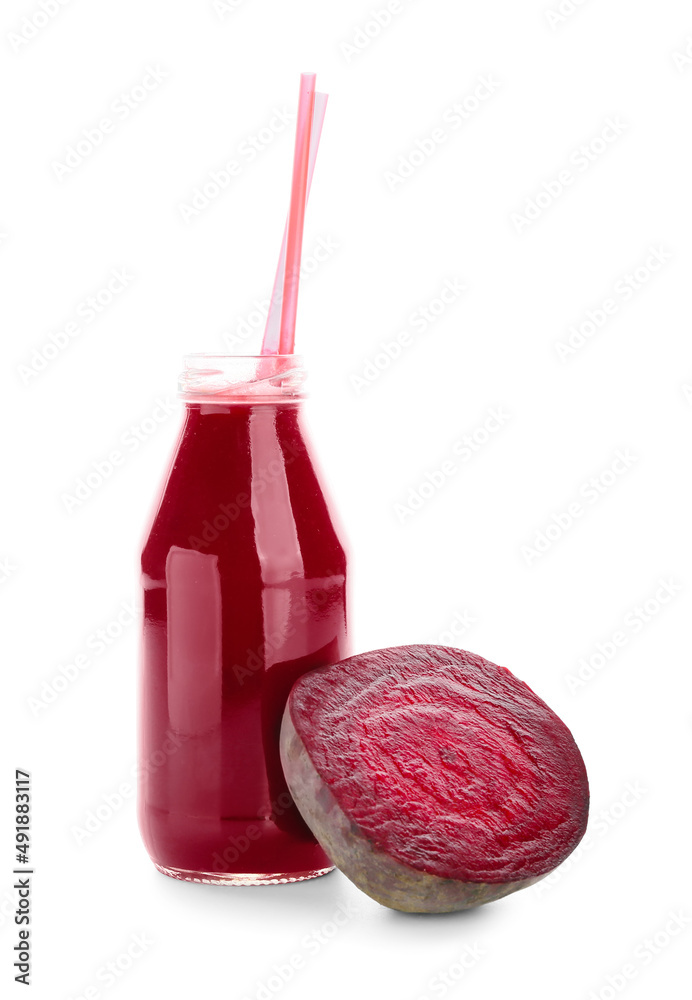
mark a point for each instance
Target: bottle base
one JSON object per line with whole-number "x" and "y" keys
{"x": 245, "y": 878}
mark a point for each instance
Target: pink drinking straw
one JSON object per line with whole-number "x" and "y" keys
{"x": 296, "y": 213}
{"x": 270, "y": 343}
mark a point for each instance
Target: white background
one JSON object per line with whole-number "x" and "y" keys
{"x": 463, "y": 553}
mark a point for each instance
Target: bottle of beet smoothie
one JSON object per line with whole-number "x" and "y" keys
{"x": 244, "y": 581}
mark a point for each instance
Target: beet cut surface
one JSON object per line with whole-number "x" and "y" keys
{"x": 434, "y": 779}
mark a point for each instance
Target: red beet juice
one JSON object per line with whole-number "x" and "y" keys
{"x": 244, "y": 582}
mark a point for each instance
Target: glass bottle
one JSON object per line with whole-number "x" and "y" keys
{"x": 244, "y": 580}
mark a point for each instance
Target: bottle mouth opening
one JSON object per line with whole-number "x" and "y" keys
{"x": 238, "y": 378}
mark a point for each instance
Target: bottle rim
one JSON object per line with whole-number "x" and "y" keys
{"x": 242, "y": 377}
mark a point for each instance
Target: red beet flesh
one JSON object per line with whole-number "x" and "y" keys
{"x": 435, "y": 764}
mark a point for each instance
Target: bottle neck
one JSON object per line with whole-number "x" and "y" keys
{"x": 221, "y": 380}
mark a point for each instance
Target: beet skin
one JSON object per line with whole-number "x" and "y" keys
{"x": 433, "y": 778}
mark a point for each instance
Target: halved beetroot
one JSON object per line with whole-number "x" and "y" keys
{"x": 434, "y": 779}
